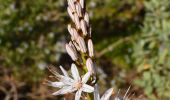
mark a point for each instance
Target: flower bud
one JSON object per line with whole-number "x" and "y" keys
{"x": 77, "y": 21}
{"x": 86, "y": 18}
{"x": 82, "y": 3}
{"x": 75, "y": 34}
{"x": 71, "y": 52}
{"x": 82, "y": 44}
{"x": 83, "y": 27}
{"x": 70, "y": 30}
{"x": 90, "y": 48}
{"x": 70, "y": 12}
{"x": 76, "y": 45}
{"x": 71, "y": 4}
{"x": 90, "y": 65}
{"x": 72, "y": 45}
{"x": 78, "y": 9}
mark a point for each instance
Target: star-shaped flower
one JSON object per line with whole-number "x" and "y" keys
{"x": 106, "y": 95}
{"x": 68, "y": 84}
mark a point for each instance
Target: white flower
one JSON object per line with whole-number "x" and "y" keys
{"x": 106, "y": 95}
{"x": 69, "y": 85}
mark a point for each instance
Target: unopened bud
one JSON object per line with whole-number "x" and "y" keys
{"x": 76, "y": 45}
{"x": 77, "y": 21}
{"x": 86, "y": 18}
{"x": 75, "y": 34}
{"x": 71, "y": 4}
{"x": 70, "y": 12}
{"x": 90, "y": 65}
{"x": 82, "y": 3}
{"x": 70, "y": 30}
{"x": 90, "y": 48}
{"x": 71, "y": 52}
{"x": 83, "y": 27}
{"x": 82, "y": 44}
{"x": 78, "y": 9}
{"x": 72, "y": 45}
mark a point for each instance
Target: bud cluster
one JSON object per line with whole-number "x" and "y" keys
{"x": 80, "y": 48}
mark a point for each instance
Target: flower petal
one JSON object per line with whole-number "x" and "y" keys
{"x": 55, "y": 84}
{"x": 75, "y": 72}
{"x": 64, "y": 90}
{"x": 96, "y": 93}
{"x": 87, "y": 88}
{"x": 78, "y": 94}
{"x": 86, "y": 77}
{"x": 66, "y": 80}
{"x": 64, "y": 71}
{"x": 107, "y": 94}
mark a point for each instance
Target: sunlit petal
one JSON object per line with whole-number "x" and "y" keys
{"x": 75, "y": 72}
{"x": 66, "y": 80}
{"x": 64, "y": 71}
{"x": 87, "y": 88}
{"x": 86, "y": 77}
{"x": 64, "y": 90}
{"x": 55, "y": 84}
{"x": 78, "y": 94}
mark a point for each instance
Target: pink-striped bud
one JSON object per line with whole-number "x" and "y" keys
{"x": 86, "y": 18}
{"x": 71, "y": 52}
{"x": 90, "y": 65}
{"x": 75, "y": 34}
{"x": 90, "y": 48}
{"x": 82, "y": 3}
{"x": 76, "y": 45}
{"x": 78, "y": 9}
{"x": 70, "y": 12}
{"x": 81, "y": 44}
{"x": 72, "y": 45}
{"x": 77, "y": 21}
{"x": 71, "y": 4}
{"x": 70, "y": 30}
{"x": 84, "y": 27}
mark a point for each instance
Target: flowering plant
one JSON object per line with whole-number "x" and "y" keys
{"x": 80, "y": 49}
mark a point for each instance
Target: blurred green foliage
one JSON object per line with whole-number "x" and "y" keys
{"x": 152, "y": 50}
{"x": 33, "y": 34}
{"x": 28, "y": 34}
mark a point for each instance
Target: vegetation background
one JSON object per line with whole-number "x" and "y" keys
{"x": 131, "y": 37}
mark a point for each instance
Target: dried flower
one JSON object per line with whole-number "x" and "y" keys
{"x": 71, "y": 52}
{"x": 81, "y": 44}
{"x": 106, "y": 95}
{"x": 69, "y": 85}
{"x": 90, "y": 48}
